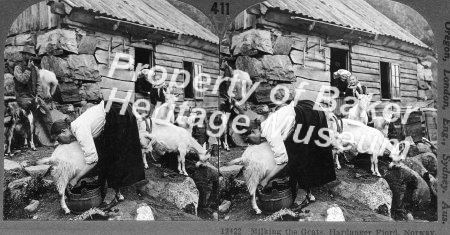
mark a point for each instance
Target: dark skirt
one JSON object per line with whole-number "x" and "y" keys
{"x": 120, "y": 157}
{"x": 309, "y": 165}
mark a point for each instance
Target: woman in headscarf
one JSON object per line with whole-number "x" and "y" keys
{"x": 109, "y": 139}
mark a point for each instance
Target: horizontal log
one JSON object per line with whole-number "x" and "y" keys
{"x": 312, "y": 74}
{"x": 388, "y": 49}
{"x": 367, "y": 77}
{"x": 119, "y": 84}
{"x": 377, "y": 59}
{"x": 178, "y": 58}
{"x": 382, "y": 53}
{"x": 120, "y": 74}
{"x": 184, "y": 52}
{"x": 407, "y": 87}
{"x": 119, "y": 94}
{"x": 408, "y": 93}
{"x": 366, "y": 64}
{"x": 365, "y": 70}
{"x": 408, "y": 81}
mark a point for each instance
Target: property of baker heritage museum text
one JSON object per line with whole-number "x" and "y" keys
{"x": 115, "y": 112}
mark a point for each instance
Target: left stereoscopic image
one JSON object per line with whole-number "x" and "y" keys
{"x": 106, "y": 109}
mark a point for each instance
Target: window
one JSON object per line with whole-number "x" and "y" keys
{"x": 339, "y": 59}
{"x": 194, "y": 70}
{"x": 143, "y": 56}
{"x": 198, "y": 70}
{"x": 390, "y": 80}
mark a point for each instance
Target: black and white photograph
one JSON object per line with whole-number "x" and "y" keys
{"x": 371, "y": 71}
{"x": 81, "y": 139}
{"x": 256, "y": 117}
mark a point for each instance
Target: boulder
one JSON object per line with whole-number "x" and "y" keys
{"x": 282, "y": 45}
{"x": 251, "y": 41}
{"x": 408, "y": 188}
{"x": 262, "y": 93}
{"x": 9, "y": 165}
{"x": 70, "y": 92}
{"x": 57, "y": 39}
{"x": 144, "y": 212}
{"x": 335, "y": 214}
{"x": 429, "y": 161}
{"x": 13, "y": 53}
{"x": 374, "y": 194}
{"x": 252, "y": 66}
{"x": 58, "y": 65}
{"x": 180, "y": 191}
{"x": 87, "y": 45}
{"x": 227, "y": 171}
{"x": 84, "y": 67}
{"x": 423, "y": 148}
{"x": 21, "y": 40}
{"x": 422, "y": 85}
{"x": 32, "y": 207}
{"x": 278, "y": 68}
{"x": 90, "y": 92}
{"x": 39, "y": 170}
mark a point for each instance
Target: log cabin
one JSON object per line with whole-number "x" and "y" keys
{"x": 79, "y": 39}
{"x": 285, "y": 42}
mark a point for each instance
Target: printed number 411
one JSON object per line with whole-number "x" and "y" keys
{"x": 224, "y": 8}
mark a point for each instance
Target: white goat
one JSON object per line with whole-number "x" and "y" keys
{"x": 368, "y": 140}
{"x": 168, "y": 138}
{"x": 258, "y": 161}
{"x": 68, "y": 160}
{"x": 359, "y": 112}
{"x": 48, "y": 83}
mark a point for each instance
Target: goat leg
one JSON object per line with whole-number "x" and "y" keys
{"x": 32, "y": 130}
{"x": 63, "y": 201}
{"x": 10, "y": 137}
{"x": 144, "y": 158}
{"x": 374, "y": 165}
{"x": 254, "y": 205}
{"x": 336, "y": 159}
{"x": 181, "y": 161}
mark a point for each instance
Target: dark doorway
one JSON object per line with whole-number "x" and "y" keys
{"x": 143, "y": 56}
{"x": 339, "y": 60}
{"x": 385, "y": 81}
{"x": 189, "y": 89}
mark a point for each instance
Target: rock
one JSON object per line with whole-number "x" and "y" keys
{"x": 408, "y": 188}
{"x": 423, "y": 148}
{"x": 215, "y": 216}
{"x": 21, "y": 40}
{"x": 233, "y": 170}
{"x": 57, "y": 65}
{"x": 429, "y": 161}
{"x": 283, "y": 45}
{"x": 144, "y": 212}
{"x": 335, "y": 214}
{"x": 252, "y": 66}
{"x": 278, "y": 68}
{"x": 32, "y": 207}
{"x": 181, "y": 192}
{"x": 9, "y": 165}
{"x": 57, "y": 39}
{"x": 296, "y": 57}
{"x": 13, "y": 53}
{"x": 90, "y": 92}
{"x": 372, "y": 194}
{"x": 87, "y": 45}
{"x": 357, "y": 175}
{"x": 84, "y": 67}
{"x": 262, "y": 93}
{"x": 422, "y": 84}
{"x": 20, "y": 183}
{"x": 39, "y": 170}
{"x": 227, "y": 218}
{"x": 247, "y": 42}
{"x": 225, "y": 206}
{"x": 69, "y": 92}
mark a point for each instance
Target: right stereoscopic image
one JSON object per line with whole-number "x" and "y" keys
{"x": 331, "y": 113}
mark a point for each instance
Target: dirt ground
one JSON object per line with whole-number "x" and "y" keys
{"x": 241, "y": 210}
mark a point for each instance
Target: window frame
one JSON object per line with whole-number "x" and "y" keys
{"x": 392, "y": 78}
{"x": 198, "y": 72}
